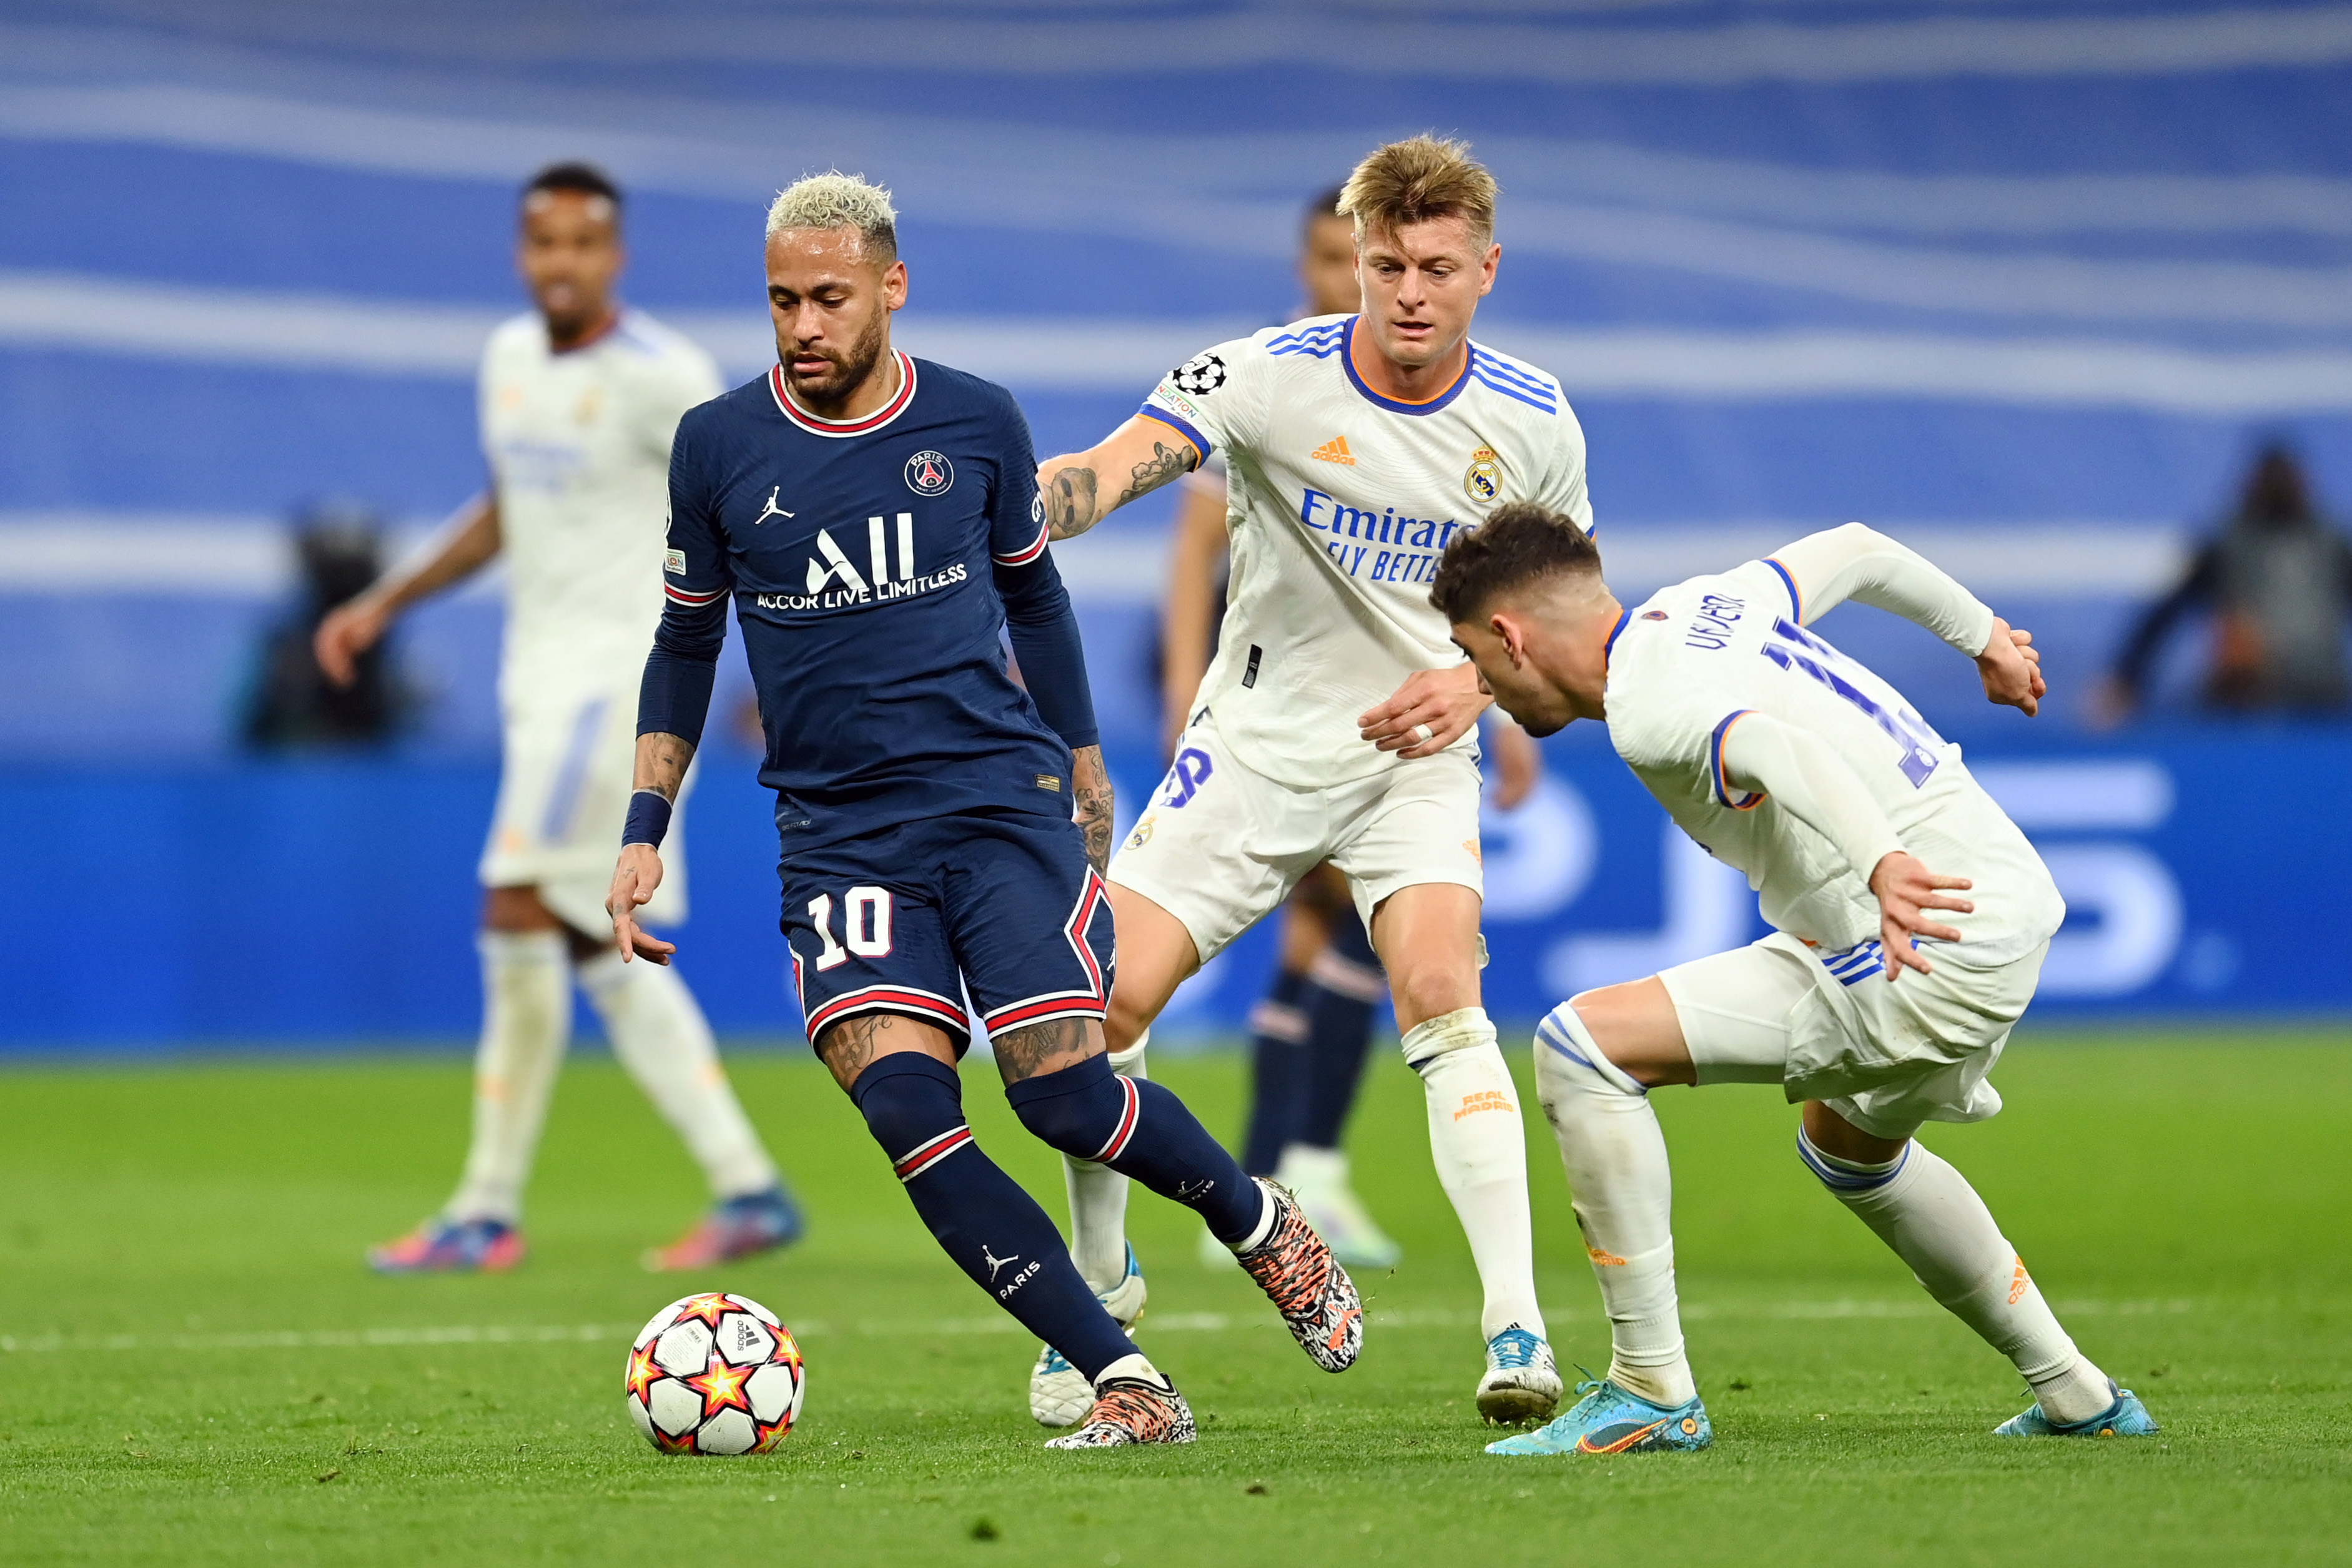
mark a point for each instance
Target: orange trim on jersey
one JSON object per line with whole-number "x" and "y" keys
{"x": 1157, "y": 419}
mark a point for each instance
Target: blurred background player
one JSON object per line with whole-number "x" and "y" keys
{"x": 2278, "y": 580}
{"x": 1336, "y": 722}
{"x": 873, "y": 521}
{"x": 1861, "y": 829}
{"x": 579, "y": 402}
{"x": 339, "y": 547}
{"x": 1310, "y": 1034}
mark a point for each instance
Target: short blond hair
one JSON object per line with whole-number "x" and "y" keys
{"x": 1418, "y": 178}
{"x": 839, "y": 201}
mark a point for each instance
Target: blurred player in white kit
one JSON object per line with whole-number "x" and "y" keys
{"x": 1911, "y": 919}
{"x": 1336, "y": 723}
{"x": 579, "y": 402}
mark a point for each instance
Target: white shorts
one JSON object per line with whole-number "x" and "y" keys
{"x": 1886, "y": 1055}
{"x": 1221, "y": 844}
{"x": 563, "y": 797}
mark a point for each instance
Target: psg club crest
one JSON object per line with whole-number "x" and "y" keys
{"x": 1200, "y": 375}
{"x": 1483, "y": 482}
{"x": 929, "y": 474}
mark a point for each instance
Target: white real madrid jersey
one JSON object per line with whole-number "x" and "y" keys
{"x": 578, "y": 444}
{"x": 1686, "y": 667}
{"x": 1340, "y": 501}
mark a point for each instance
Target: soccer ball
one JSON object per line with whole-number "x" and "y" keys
{"x": 715, "y": 1373}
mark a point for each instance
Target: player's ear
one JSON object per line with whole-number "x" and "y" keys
{"x": 894, "y": 285}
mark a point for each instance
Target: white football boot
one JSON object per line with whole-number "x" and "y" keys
{"x": 1319, "y": 1179}
{"x": 1059, "y": 1395}
{"x": 1522, "y": 1381}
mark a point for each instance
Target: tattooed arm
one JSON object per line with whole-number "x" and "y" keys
{"x": 1090, "y": 783}
{"x": 1084, "y": 487}
{"x": 662, "y": 762}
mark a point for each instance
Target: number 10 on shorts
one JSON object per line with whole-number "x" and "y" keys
{"x": 865, "y": 915}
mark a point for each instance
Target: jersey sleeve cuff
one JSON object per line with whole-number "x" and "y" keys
{"x": 1724, "y": 793}
{"x": 1200, "y": 444}
{"x": 1030, "y": 552}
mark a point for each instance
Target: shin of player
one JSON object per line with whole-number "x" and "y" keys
{"x": 1334, "y": 724}
{"x": 1802, "y": 769}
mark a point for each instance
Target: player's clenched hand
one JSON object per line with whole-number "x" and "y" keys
{"x": 348, "y": 631}
{"x": 1906, "y": 891}
{"x": 2010, "y": 667}
{"x": 1430, "y": 712}
{"x": 634, "y": 881}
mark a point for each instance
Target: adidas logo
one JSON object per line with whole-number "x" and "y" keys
{"x": 1334, "y": 450}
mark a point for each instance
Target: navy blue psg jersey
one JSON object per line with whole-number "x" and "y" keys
{"x": 871, "y": 563}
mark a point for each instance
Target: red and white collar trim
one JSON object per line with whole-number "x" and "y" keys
{"x": 866, "y": 426}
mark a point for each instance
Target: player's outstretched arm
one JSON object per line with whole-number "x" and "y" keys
{"x": 1187, "y": 617}
{"x": 1083, "y": 489}
{"x": 459, "y": 549}
{"x": 662, "y": 761}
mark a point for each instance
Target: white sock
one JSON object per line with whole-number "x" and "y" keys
{"x": 1927, "y": 1212}
{"x": 1624, "y": 1193}
{"x": 662, "y": 1040}
{"x": 1480, "y": 1149}
{"x": 1135, "y": 1366}
{"x": 1098, "y": 1199}
{"x": 526, "y": 1023}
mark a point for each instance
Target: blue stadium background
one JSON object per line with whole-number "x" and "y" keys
{"x": 2023, "y": 283}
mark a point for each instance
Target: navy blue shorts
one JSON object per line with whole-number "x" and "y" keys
{"x": 1002, "y": 907}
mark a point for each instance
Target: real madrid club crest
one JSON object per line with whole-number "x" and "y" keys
{"x": 929, "y": 474}
{"x": 1483, "y": 482}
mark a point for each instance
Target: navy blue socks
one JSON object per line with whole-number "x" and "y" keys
{"x": 1140, "y": 1130}
{"x": 981, "y": 1217}
{"x": 1279, "y": 1071}
{"x": 1345, "y": 986}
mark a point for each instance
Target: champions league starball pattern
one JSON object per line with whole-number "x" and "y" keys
{"x": 1200, "y": 375}
{"x": 715, "y": 1373}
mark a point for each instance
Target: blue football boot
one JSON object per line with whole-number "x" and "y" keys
{"x": 2126, "y": 1418}
{"x": 1607, "y": 1420}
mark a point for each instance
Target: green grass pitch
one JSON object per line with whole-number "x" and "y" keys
{"x": 194, "y": 1367}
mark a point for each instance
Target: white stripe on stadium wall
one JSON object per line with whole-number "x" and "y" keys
{"x": 1237, "y": 194}
{"x": 197, "y": 555}
{"x": 1471, "y": 48}
{"x": 376, "y": 337}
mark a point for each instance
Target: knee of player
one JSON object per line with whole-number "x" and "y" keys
{"x": 1429, "y": 987}
{"x": 1569, "y": 1061}
{"x": 1086, "y": 1110}
{"x": 907, "y": 1100}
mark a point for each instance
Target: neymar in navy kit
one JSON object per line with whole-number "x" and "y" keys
{"x": 874, "y": 520}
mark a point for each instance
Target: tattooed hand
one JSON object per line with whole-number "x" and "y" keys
{"x": 1090, "y": 783}
{"x": 1073, "y": 486}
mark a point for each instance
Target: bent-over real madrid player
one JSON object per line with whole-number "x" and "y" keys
{"x": 578, "y": 402}
{"x": 1911, "y": 916}
{"x": 874, "y": 520}
{"x": 1336, "y": 723}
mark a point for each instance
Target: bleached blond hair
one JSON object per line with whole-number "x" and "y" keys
{"x": 839, "y": 201}
{"x": 1418, "y": 178}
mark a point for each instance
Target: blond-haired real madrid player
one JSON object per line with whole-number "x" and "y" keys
{"x": 1911, "y": 918}
{"x": 579, "y": 401}
{"x": 1336, "y": 723}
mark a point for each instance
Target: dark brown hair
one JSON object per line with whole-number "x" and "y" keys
{"x": 1521, "y": 543}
